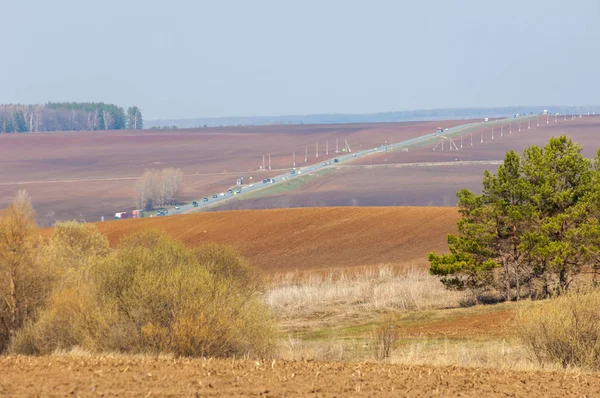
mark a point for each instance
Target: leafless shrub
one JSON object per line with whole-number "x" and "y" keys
{"x": 385, "y": 335}
{"x": 564, "y": 330}
{"x": 154, "y": 295}
{"x": 25, "y": 280}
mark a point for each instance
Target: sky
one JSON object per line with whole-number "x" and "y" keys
{"x": 213, "y": 58}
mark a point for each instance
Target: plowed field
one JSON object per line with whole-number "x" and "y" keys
{"x": 284, "y": 240}
{"x": 433, "y": 177}
{"x": 92, "y": 174}
{"x": 584, "y": 131}
{"x": 130, "y": 376}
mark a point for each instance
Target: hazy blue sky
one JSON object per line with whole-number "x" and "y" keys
{"x": 201, "y": 58}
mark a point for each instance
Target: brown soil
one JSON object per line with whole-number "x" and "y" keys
{"x": 473, "y": 326}
{"x": 283, "y": 240}
{"x": 130, "y": 376}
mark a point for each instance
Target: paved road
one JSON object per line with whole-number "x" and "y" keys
{"x": 235, "y": 192}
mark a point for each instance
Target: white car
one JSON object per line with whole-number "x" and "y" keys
{"x": 251, "y": 186}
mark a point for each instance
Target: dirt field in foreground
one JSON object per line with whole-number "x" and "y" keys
{"x": 283, "y": 240}
{"x": 123, "y": 376}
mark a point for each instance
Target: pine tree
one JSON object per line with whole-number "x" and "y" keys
{"x": 20, "y": 125}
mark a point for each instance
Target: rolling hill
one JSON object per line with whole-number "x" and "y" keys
{"x": 282, "y": 240}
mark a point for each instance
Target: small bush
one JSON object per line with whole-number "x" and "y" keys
{"x": 564, "y": 330}
{"x": 385, "y": 335}
{"x": 152, "y": 295}
{"x": 72, "y": 244}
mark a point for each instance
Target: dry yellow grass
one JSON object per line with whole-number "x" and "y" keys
{"x": 346, "y": 296}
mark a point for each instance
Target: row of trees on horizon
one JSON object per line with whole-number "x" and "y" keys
{"x": 68, "y": 116}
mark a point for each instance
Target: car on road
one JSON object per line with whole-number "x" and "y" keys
{"x": 292, "y": 171}
{"x": 159, "y": 213}
{"x": 251, "y": 186}
{"x": 195, "y": 203}
{"x": 205, "y": 199}
{"x": 353, "y": 155}
{"x": 222, "y": 194}
{"x": 230, "y": 191}
{"x": 215, "y": 196}
{"x": 177, "y": 207}
{"x": 239, "y": 190}
{"x": 336, "y": 160}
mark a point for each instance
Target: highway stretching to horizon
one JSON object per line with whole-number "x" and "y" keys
{"x": 346, "y": 157}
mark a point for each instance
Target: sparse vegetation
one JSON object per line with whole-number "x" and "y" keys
{"x": 382, "y": 288}
{"x": 564, "y": 331}
{"x": 385, "y": 336}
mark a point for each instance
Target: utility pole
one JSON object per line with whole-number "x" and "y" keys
{"x": 327, "y": 148}
{"x": 336, "y": 146}
{"x": 306, "y": 154}
{"x": 269, "y": 161}
{"x": 294, "y": 158}
{"x": 471, "y": 139}
{"x": 317, "y": 152}
{"x": 263, "y": 166}
{"x": 461, "y": 141}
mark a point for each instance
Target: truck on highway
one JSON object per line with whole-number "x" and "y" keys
{"x": 121, "y": 215}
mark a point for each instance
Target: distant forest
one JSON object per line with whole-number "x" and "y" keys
{"x": 68, "y": 116}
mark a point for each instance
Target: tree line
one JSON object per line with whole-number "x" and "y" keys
{"x": 534, "y": 229}
{"x": 68, "y": 116}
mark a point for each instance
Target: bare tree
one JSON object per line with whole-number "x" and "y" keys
{"x": 158, "y": 188}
